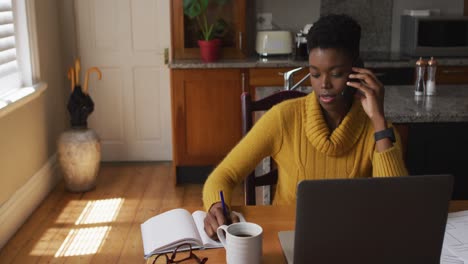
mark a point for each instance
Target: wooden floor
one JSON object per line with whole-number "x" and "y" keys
{"x": 103, "y": 225}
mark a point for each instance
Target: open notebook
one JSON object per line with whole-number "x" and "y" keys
{"x": 164, "y": 232}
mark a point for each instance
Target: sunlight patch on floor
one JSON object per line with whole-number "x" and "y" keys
{"x": 83, "y": 241}
{"x": 87, "y": 224}
{"x": 100, "y": 211}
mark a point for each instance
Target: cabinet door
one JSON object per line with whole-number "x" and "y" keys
{"x": 452, "y": 75}
{"x": 206, "y": 113}
{"x": 184, "y": 35}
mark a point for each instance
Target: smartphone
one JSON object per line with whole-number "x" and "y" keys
{"x": 350, "y": 91}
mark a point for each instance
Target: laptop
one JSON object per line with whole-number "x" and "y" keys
{"x": 369, "y": 220}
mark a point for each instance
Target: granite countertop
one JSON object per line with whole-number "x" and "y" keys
{"x": 449, "y": 105}
{"x": 371, "y": 60}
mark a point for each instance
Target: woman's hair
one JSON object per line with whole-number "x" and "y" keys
{"x": 335, "y": 31}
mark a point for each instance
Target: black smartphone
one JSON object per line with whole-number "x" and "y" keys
{"x": 350, "y": 91}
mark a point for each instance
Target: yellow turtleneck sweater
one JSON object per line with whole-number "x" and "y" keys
{"x": 295, "y": 134}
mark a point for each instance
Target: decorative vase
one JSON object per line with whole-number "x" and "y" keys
{"x": 210, "y": 49}
{"x": 79, "y": 155}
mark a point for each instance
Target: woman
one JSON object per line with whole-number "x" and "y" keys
{"x": 335, "y": 132}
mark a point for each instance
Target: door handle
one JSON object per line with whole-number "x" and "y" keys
{"x": 453, "y": 71}
{"x": 243, "y": 82}
{"x": 240, "y": 41}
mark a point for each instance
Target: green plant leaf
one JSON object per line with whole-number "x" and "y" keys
{"x": 203, "y": 5}
{"x": 209, "y": 34}
{"x": 192, "y": 8}
{"x": 196, "y": 9}
{"x": 187, "y": 3}
{"x": 220, "y": 28}
{"x": 192, "y": 11}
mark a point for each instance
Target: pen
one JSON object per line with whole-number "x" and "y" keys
{"x": 225, "y": 213}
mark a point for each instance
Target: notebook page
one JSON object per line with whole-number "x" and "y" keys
{"x": 199, "y": 217}
{"x": 167, "y": 229}
{"x": 456, "y": 234}
{"x": 447, "y": 257}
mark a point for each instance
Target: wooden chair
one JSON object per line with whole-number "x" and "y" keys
{"x": 249, "y": 107}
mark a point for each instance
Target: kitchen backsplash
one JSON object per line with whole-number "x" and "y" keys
{"x": 374, "y": 16}
{"x": 291, "y": 14}
{"x": 379, "y": 19}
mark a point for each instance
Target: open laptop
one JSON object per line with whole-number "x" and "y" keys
{"x": 369, "y": 220}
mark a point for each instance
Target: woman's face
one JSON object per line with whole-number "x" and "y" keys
{"x": 329, "y": 70}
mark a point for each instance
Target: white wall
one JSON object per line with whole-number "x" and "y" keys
{"x": 29, "y": 133}
{"x": 291, "y": 14}
{"x": 68, "y": 32}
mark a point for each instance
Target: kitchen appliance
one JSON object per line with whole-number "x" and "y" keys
{"x": 301, "y": 52}
{"x": 434, "y": 35}
{"x": 278, "y": 42}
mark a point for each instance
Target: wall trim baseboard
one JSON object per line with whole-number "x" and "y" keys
{"x": 15, "y": 211}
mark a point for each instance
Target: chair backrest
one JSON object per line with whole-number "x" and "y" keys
{"x": 249, "y": 107}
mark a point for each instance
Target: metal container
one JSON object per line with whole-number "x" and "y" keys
{"x": 274, "y": 43}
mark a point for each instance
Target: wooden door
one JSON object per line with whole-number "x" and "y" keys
{"x": 206, "y": 114}
{"x": 126, "y": 40}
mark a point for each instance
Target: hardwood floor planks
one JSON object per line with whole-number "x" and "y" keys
{"x": 150, "y": 205}
{"x": 145, "y": 190}
{"x": 31, "y": 226}
{"x": 112, "y": 247}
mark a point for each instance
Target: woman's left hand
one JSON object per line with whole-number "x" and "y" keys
{"x": 371, "y": 93}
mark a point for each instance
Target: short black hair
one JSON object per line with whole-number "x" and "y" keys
{"x": 335, "y": 31}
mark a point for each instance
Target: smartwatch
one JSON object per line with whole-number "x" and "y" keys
{"x": 386, "y": 133}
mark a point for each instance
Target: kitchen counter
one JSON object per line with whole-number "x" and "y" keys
{"x": 372, "y": 60}
{"x": 449, "y": 105}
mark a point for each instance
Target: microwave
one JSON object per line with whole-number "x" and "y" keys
{"x": 434, "y": 35}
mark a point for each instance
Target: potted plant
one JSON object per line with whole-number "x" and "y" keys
{"x": 209, "y": 24}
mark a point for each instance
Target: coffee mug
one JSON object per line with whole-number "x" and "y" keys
{"x": 243, "y": 242}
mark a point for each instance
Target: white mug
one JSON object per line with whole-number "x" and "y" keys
{"x": 243, "y": 242}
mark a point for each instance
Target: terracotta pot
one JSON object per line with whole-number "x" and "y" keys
{"x": 79, "y": 155}
{"x": 210, "y": 49}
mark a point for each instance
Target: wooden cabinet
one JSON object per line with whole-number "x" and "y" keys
{"x": 206, "y": 114}
{"x": 465, "y": 8}
{"x": 440, "y": 148}
{"x": 452, "y": 75}
{"x": 184, "y": 35}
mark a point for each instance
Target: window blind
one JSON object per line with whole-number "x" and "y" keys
{"x": 9, "y": 72}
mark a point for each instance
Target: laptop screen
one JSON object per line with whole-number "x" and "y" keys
{"x": 372, "y": 220}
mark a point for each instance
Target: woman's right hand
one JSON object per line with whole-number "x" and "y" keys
{"x": 215, "y": 218}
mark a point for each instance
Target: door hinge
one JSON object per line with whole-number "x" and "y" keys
{"x": 166, "y": 56}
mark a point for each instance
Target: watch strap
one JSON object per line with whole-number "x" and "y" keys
{"x": 386, "y": 133}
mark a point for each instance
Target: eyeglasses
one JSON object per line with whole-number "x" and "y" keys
{"x": 181, "y": 254}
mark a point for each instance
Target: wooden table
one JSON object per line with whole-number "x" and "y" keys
{"x": 274, "y": 219}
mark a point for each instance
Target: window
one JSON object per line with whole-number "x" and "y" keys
{"x": 16, "y": 67}
{"x": 9, "y": 73}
